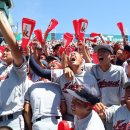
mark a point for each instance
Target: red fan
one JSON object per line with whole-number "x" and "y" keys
{"x": 27, "y": 29}
{"x": 38, "y": 34}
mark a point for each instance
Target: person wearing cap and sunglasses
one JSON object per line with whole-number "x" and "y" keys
{"x": 85, "y": 118}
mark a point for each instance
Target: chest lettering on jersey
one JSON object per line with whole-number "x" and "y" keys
{"x": 104, "y": 83}
{"x": 72, "y": 86}
{"x": 120, "y": 125}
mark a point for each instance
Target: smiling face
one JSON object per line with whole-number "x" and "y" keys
{"x": 75, "y": 59}
{"x": 104, "y": 56}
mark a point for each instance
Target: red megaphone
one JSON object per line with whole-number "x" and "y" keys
{"x": 121, "y": 28}
{"x": 83, "y": 24}
{"x": 68, "y": 37}
{"x": 27, "y": 29}
{"x": 65, "y": 125}
{"x": 38, "y": 34}
{"x": 51, "y": 26}
{"x": 93, "y": 34}
{"x": 76, "y": 28}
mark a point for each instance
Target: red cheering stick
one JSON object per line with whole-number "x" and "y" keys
{"x": 68, "y": 37}
{"x": 121, "y": 28}
{"x": 27, "y": 29}
{"x": 83, "y": 24}
{"x": 51, "y": 26}
{"x": 38, "y": 34}
{"x": 93, "y": 34}
{"x": 76, "y": 28}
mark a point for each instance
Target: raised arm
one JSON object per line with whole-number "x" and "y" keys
{"x": 10, "y": 39}
{"x": 44, "y": 73}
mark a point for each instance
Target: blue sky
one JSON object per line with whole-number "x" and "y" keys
{"x": 102, "y": 15}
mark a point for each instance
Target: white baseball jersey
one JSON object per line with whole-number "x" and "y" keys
{"x": 91, "y": 122}
{"x": 13, "y": 85}
{"x": 121, "y": 119}
{"x": 44, "y": 99}
{"x": 84, "y": 79}
{"x": 110, "y": 83}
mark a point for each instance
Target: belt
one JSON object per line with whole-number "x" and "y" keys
{"x": 40, "y": 118}
{"x": 8, "y": 117}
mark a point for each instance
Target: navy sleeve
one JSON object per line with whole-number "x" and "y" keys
{"x": 44, "y": 73}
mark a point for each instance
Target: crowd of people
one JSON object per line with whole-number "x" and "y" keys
{"x": 42, "y": 86}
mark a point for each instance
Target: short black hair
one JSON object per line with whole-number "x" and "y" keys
{"x": 56, "y": 46}
{"x": 5, "y": 128}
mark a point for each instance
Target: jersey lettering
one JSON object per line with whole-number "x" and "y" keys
{"x": 103, "y": 83}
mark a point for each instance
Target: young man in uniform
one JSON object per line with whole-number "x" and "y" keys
{"x": 44, "y": 100}
{"x": 12, "y": 80}
{"x": 111, "y": 79}
{"x": 81, "y": 78}
{"x": 82, "y": 104}
{"x": 121, "y": 119}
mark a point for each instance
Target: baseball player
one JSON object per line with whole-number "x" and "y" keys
{"x": 111, "y": 79}
{"x": 121, "y": 119}
{"x": 84, "y": 117}
{"x": 80, "y": 79}
{"x": 13, "y": 80}
{"x": 44, "y": 101}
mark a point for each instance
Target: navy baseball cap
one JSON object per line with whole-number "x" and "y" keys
{"x": 104, "y": 46}
{"x": 84, "y": 96}
{"x": 126, "y": 85}
{"x": 127, "y": 47}
{"x": 51, "y": 58}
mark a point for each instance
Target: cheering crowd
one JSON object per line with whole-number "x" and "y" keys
{"x": 46, "y": 86}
